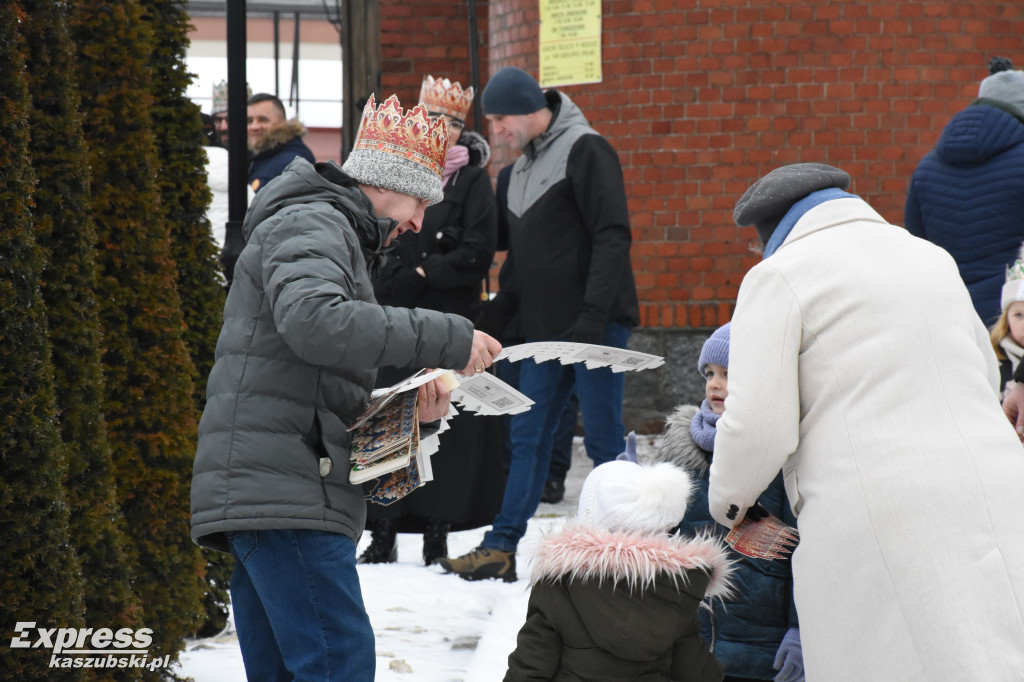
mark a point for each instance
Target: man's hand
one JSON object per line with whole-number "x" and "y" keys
{"x": 485, "y": 349}
{"x": 433, "y": 400}
{"x": 1013, "y": 408}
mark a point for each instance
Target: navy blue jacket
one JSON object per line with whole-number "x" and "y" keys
{"x": 746, "y": 631}
{"x": 967, "y": 196}
{"x": 278, "y": 147}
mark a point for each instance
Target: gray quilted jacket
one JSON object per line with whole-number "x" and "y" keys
{"x": 296, "y": 360}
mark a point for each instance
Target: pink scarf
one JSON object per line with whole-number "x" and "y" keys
{"x": 458, "y": 156}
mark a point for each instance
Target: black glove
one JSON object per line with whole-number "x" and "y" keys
{"x": 757, "y": 512}
{"x": 587, "y": 331}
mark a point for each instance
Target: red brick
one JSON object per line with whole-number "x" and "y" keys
{"x": 700, "y": 102}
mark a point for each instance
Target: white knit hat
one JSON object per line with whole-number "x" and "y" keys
{"x": 625, "y": 496}
{"x": 1013, "y": 289}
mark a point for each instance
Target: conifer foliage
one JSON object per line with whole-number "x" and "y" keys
{"x": 40, "y": 581}
{"x": 185, "y": 195}
{"x": 66, "y": 234}
{"x": 148, "y": 372}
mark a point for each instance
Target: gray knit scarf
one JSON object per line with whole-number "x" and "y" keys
{"x": 702, "y": 427}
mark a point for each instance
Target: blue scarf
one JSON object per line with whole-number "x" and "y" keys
{"x": 796, "y": 211}
{"x": 702, "y": 427}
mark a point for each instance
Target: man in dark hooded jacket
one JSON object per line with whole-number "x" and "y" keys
{"x": 274, "y": 140}
{"x": 295, "y": 365}
{"x": 569, "y": 277}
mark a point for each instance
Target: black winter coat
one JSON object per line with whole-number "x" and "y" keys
{"x": 454, "y": 248}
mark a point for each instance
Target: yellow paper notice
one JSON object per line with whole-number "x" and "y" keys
{"x": 570, "y": 42}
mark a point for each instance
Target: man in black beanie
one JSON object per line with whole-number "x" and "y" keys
{"x": 858, "y": 367}
{"x": 568, "y": 275}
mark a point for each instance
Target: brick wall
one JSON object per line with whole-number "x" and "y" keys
{"x": 420, "y": 37}
{"x": 702, "y": 98}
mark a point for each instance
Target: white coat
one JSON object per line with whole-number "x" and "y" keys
{"x": 217, "y": 179}
{"x": 860, "y": 368}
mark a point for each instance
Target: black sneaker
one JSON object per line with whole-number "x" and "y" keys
{"x": 483, "y": 563}
{"x": 554, "y": 492}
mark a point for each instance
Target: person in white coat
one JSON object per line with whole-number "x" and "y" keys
{"x": 859, "y": 367}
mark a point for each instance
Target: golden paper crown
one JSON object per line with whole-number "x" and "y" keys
{"x": 409, "y": 135}
{"x": 445, "y": 97}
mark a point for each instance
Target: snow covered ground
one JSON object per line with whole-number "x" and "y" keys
{"x": 429, "y": 627}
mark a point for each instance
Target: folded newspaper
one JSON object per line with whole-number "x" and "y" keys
{"x": 566, "y": 352}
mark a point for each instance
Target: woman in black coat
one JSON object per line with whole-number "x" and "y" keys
{"x": 442, "y": 267}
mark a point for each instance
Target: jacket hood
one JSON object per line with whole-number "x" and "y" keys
{"x": 583, "y": 553}
{"x": 479, "y": 150}
{"x": 678, "y": 446}
{"x": 566, "y": 116}
{"x": 274, "y": 137}
{"x": 302, "y": 183}
{"x": 978, "y": 133}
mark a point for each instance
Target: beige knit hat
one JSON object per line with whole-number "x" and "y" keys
{"x": 401, "y": 151}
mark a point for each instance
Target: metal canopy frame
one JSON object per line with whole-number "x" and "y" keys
{"x": 361, "y": 69}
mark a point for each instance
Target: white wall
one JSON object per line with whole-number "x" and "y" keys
{"x": 319, "y": 77}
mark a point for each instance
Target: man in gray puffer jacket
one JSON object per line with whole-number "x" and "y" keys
{"x": 295, "y": 365}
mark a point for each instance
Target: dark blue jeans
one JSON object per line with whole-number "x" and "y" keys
{"x": 298, "y": 608}
{"x": 561, "y": 447}
{"x": 548, "y": 384}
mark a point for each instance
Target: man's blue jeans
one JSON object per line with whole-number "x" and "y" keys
{"x": 298, "y": 607}
{"x": 548, "y": 384}
{"x": 561, "y": 446}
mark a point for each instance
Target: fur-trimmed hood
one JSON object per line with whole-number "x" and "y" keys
{"x": 274, "y": 137}
{"x": 479, "y": 150}
{"x": 678, "y": 446}
{"x": 578, "y": 552}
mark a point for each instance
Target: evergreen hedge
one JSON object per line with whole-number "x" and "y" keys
{"x": 68, "y": 238}
{"x": 148, "y": 372}
{"x": 185, "y": 195}
{"x": 40, "y": 582}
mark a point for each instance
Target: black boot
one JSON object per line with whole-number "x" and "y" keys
{"x": 383, "y": 547}
{"x": 435, "y": 541}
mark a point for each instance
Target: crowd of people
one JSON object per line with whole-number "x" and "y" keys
{"x": 855, "y": 395}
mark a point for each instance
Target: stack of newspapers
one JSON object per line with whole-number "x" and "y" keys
{"x": 391, "y": 459}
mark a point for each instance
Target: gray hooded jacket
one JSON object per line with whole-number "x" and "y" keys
{"x": 568, "y": 232}
{"x": 296, "y": 360}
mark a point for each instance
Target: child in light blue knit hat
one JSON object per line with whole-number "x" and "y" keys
{"x": 754, "y": 634}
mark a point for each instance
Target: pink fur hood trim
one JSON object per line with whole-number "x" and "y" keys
{"x": 582, "y": 553}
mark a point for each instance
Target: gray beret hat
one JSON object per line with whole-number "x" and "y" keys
{"x": 765, "y": 202}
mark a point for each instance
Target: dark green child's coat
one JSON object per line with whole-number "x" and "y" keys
{"x": 616, "y": 607}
